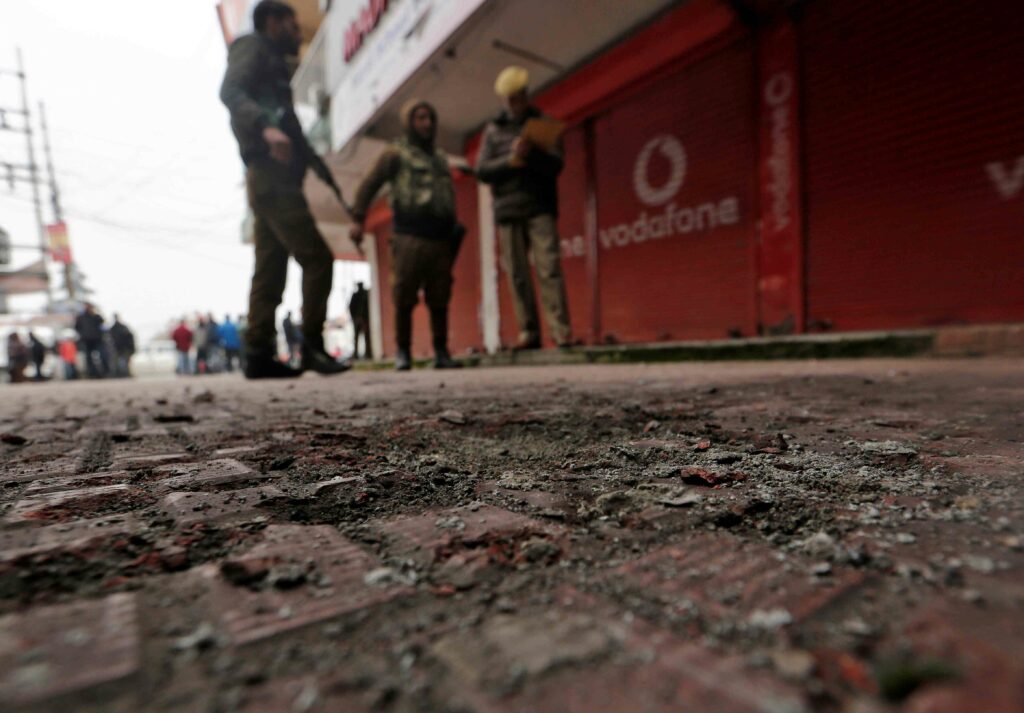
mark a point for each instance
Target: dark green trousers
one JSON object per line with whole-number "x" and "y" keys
{"x": 284, "y": 226}
{"x": 420, "y": 263}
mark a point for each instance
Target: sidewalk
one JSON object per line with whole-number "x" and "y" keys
{"x": 786, "y": 536}
{"x": 998, "y": 340}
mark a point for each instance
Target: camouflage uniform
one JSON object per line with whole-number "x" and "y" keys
{"x": 422, "y": 252}
{"x": 257, "y": 91}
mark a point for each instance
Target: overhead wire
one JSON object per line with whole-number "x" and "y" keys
{"x": 142, "y": 234}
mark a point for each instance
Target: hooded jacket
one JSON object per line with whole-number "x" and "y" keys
{"x": 422, "y": 194}
{"x": 520, "y": 193}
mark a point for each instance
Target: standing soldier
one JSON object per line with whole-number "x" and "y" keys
{"x": 524, "y": 182}
{"x": 424, "y": 237}
{"x": 257, "y": 91}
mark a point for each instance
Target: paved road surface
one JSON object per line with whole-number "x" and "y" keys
{"x": 838, "y": 536}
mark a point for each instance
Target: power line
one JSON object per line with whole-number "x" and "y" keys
{"x": 143, "y": 235}
{"x": 101, "y": 219}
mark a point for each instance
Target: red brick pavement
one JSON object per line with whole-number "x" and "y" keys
{"x": 343, "y": 587}
{"x": 67, "y": 649}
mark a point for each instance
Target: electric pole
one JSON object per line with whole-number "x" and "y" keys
{"x": 32, "y": 167}
{"x": 58, "y": 212}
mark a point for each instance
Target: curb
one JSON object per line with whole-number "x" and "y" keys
{"x": 960, "y": 341}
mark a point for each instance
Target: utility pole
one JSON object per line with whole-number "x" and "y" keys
{"x": 58, "y": 212}
{"x": 32, "y": 167}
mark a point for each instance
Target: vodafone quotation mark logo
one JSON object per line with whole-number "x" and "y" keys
{"x": 669, "y": 147}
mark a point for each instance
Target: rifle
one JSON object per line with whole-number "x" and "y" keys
{"x": 322, "y": 172}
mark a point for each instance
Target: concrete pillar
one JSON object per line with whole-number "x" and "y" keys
{"x": 377, "y": 284}
{"x": 490, "y": 314}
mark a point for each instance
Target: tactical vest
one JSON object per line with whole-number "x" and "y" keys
{"x": 423, "y": 184}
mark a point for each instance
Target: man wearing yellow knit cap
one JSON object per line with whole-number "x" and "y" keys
{"x": 522, "y": 171}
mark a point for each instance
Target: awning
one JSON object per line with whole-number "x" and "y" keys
{"x": 28, "y": 280}
{"x": 457, "y": 75}
{"x": 550, "y": 39}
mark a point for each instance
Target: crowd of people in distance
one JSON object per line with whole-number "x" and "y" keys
{"x": 209, "y": 346}
{"x": 91, "y": 350}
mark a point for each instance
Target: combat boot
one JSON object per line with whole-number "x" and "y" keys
{"x": 265, "y": 365}
{"x": 402, "y": 360}
{"x": 321, "y": 362}
{"x": 443, "y": 360}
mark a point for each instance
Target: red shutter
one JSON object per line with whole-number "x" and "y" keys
{"x": 914, "y": 149}
{"x": 465, "y": 329}
{"x": 676, "y": 176}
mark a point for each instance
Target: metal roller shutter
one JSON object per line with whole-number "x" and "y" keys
{"x": 914, "y": 150}
{"x": 676, "y": 175}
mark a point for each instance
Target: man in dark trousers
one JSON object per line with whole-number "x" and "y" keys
{"x": 423, "y": 242}
{"x": 257, "y": 91}
{"x": 231, "y": 342}
{"x": 524, "y": 182}
{"x": 124, "y": 346}
{"x": 359, "y": 311}
{"x": 89, "y": 326}
{"x": 293, "y": 338}
{"x": 38, "y": 352}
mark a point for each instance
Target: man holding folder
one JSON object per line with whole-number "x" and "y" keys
{"x": 520, "y": 158}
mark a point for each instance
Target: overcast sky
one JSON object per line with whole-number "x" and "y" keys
{"x": 149, "y": 171}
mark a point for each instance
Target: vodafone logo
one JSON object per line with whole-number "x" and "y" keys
{"x": 673, "y": 151}
{"x": 668, "y": 219}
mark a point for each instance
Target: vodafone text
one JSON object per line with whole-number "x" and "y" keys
{"x": 665, "y": 222}
{"x": 778, "y": 91}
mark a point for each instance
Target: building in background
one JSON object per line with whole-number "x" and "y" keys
{"x": 732, "y": 168}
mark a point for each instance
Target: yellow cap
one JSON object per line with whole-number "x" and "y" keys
{"x": 511, "y": 81}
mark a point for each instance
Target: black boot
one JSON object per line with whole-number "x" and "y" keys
{"x": 264, "y": 365}
{"x": 318, "y": 360}
{"x": 443, "y": 360}
{"x": 402, "y": 360}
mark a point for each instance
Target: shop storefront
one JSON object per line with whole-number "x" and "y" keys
{"x": 914, "y": 162}
{"x": 730, "y": 168}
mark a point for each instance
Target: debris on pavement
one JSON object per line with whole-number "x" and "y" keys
{"x": 793, "y": 538}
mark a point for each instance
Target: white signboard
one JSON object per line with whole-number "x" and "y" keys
{"x": 392, "y": 40}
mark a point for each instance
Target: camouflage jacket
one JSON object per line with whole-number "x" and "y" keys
{"x": 257, "y": 91}
{"x": 422, "y": 192}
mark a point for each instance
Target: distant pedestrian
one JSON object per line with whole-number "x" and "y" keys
{"x": 182, "y": 337}
{"x": 425, "y": 234}
{"x": 359, "y": 311}
{"x": 124, "y": 346}
{"x": 242, "y": 325}
{"x": 68, "y": 351}
{"x": 214, "y": 347}
{"x": 37, "y": 351}
{"x": 231, "y": 341}
{"x": 293, "y": 338}
{"x": 17, "y": 358}
{"x": 89, "y": 325}
{"x": 523, "y": 176}
{"x": 201, "y": 341}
